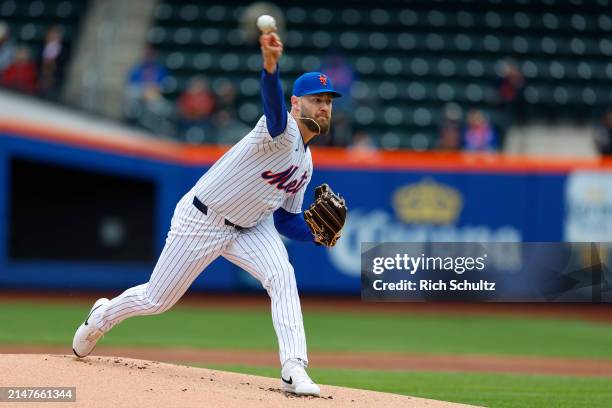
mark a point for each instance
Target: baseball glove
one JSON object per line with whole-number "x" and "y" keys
{"x": 326, "y": 216}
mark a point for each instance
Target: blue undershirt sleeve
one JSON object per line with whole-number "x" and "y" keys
{"x": 293, "y": 226}
{"x": 273, "y": 102}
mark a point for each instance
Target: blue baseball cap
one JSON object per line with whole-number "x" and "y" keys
{"x": 313, "y": 83}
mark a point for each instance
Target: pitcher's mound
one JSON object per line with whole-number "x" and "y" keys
{"x": 124, "y": 382}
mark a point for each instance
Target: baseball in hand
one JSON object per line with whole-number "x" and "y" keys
{"x": 266, "y": 23}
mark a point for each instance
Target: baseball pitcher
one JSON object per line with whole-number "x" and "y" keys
{"x": 237, "y": 209}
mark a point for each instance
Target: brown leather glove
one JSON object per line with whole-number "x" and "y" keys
{"x": 326, "y": 216}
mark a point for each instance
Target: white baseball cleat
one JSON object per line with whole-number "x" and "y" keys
{"x": 87, "y": 335}
{"x": 295, "y": 380}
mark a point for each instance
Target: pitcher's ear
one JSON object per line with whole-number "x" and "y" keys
{"x": 295, "y": 102}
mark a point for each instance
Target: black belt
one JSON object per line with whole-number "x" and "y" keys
{"x": 202, "y": 207}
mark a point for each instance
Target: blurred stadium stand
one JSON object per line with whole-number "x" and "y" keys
{"x": 112, "y": 40}
{"x": 411, "y": 58}
{"x": 28, "y": 22}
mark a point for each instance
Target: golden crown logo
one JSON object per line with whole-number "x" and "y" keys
{"x": 427, "y": 202}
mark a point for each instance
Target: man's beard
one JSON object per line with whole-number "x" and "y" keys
{"x": 320, "y": 128}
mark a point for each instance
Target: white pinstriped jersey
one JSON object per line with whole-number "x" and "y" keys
{"x": 258, "y": 175}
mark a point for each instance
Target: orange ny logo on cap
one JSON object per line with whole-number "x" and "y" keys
{"x": 323, "y": 80}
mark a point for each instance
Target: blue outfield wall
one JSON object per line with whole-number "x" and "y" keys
{"x": 390, "y": 206}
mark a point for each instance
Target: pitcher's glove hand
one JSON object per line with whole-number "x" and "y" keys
{"x": 326, "y": 216}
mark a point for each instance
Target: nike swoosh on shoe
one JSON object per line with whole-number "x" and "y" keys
{"x": 90, "y": 313}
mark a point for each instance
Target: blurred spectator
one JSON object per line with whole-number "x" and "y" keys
{"x": 154, "y": 112}
{"x": 196, "y": 106}
{"x": 362, "y": 142}
{"x": 449, "y": 134}
{"x": 7, "y": 48}
{"x": 510, "y": 83}
{"x": 343, "y": 75}
{"x": 604, "y": 137}
{"x": 143, "y": 92}
{"x": 21, "y": 74}
{"x": 510, "y": 100}
{"x": 226, "y": 99}
{"x": 228, "y": 128}
{"x": 479, "y": 135}
{"x": 52, "y": 63}
{"x": 148, "y": 72}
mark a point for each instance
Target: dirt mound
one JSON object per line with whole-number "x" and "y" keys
{"x": 122, "y": 382}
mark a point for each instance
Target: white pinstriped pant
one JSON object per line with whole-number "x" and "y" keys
{"x": 194, "y": 241}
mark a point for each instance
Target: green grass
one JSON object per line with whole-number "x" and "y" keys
{"x": 54, "y": 324}
{"x": 491, "y": 390}
{"x": 252, "y": 329}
